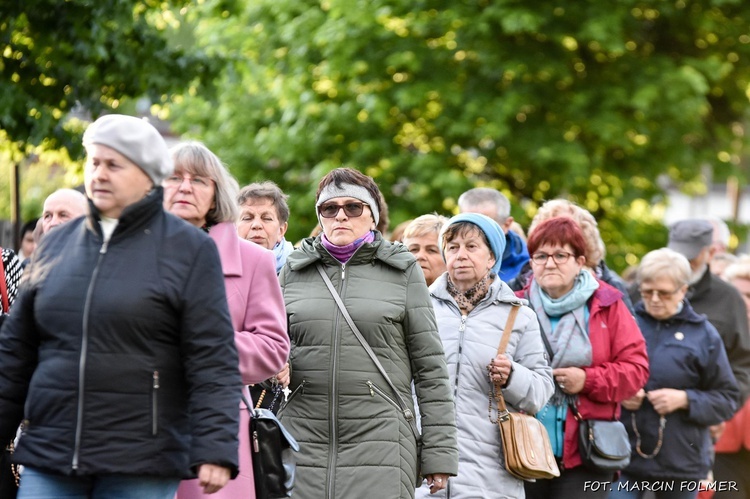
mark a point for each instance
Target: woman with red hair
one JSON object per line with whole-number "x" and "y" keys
{"x": 596, "y": 350}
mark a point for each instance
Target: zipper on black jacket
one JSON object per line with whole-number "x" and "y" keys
{"x": 82, "y": 359}
{"x": 155, "y": 405}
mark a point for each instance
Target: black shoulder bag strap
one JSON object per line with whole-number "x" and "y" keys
{"x": 408, "y": 413}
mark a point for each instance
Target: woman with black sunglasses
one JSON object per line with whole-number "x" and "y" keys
{"x": 355, "y": 427}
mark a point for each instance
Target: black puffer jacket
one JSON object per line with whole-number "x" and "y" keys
{"x": 123, "y": 353}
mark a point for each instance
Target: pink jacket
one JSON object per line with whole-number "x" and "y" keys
{"x": 619, "y": 364}
{"x": 259, "y": 318}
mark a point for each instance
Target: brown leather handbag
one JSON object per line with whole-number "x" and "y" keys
{"x": 526, "y": 447}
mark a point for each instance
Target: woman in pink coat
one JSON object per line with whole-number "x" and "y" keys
{"x": 202, "y": 192}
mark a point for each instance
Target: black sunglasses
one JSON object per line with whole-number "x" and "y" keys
{"x": 330, "y": 210}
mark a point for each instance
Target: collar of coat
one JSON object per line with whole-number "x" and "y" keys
{"x": 701, "y": 287}
{"x": 605, "y": 296}
{"x": 499, "y": 292}
{"x": 311, "y": 250}
{"x": 133, "y": 217}
{"x": 687, "y": 314}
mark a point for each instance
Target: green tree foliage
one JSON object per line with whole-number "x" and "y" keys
{"x": 56, "y": 54}
{"x": 600, "y": 102}
{"x": 57, "y": 57}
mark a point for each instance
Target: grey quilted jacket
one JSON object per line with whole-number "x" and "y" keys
{"x": 470, "y": 343}
{"x": 354, "y": 441}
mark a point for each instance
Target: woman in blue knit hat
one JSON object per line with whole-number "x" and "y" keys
{"x": 472, "y": 305}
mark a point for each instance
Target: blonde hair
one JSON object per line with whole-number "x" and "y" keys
{"x": 424, "y": 225}
{"x": 554, "y": 208}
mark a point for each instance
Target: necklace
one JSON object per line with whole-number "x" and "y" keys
{"x": 659, "y": 442}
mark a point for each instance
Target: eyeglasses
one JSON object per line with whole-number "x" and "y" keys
{"x": 559, "y": 258}
{"x": 197, "y": 182}
{"x": 330, "y": 210}
{"x": 648, "y": 294}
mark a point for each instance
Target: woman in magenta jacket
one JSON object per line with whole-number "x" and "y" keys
{"x": 598, "y": 353}
{"x": 202, "y": 192}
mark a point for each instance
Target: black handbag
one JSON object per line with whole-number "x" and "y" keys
{"x": 272, "y": 448}
{"x": 603, "y": 445}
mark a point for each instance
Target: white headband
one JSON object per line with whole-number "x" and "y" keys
{"x": 349, "y": 191}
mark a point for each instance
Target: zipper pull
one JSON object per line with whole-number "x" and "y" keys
{"x": 343, "y": 271}
{"x": 103, "y": 249}
{"x": 256, "y": 447}
{"x": 372, "y": 392}
{"x": 462, "y": 327}
{"x": 156, "y": 380}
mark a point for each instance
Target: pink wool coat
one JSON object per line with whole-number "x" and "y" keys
{"x": 259, "y": 318}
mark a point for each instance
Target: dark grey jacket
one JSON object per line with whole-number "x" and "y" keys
{"x": 122, "y": 352}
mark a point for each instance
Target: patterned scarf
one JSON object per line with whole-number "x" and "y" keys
{"x": 468, "y": 300}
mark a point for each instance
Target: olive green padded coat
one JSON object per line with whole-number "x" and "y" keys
{"x": 354, "y": 441}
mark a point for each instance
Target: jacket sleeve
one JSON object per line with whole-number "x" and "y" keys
{"x": 626, "y": 370}
{"x": 431, "y": 384}
{"x": 531, "y": 383}
{"x": 19, "y": 344}
{"x": 718, "y": 397}
{"x": 738, "y": 346}
{"x": 13, "y": 272}
{"x": 263, "y": 343}
{"x": 210, "y": 362}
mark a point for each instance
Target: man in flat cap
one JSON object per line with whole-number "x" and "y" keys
{"x": 718, "y": 300}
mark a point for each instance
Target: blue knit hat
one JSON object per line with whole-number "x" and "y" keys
{"x": 491, "y": 230}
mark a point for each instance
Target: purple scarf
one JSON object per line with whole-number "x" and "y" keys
{"x": 344, "y": 253}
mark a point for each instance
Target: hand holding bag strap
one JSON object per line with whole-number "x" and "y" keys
{"x": 501, "y": 408}
{"x": 408, "y": 413}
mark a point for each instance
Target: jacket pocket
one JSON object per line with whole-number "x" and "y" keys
{"x": 297, "y": 391}
{"x": 376, "y": 390}
{"x": 155, "y": 404}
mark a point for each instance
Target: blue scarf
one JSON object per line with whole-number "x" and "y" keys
{"x": 568, "y": 338}
{"x": 564, "y": 321}
{"x": 344, "y": 253}
{"x": 281, "y": 251}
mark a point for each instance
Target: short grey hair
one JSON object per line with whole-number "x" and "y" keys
{"x": 196, "y": 159}
{"x": 664, "y": 262}
{"x": 485, "y": 195}
{"x": 266, "y": 190}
